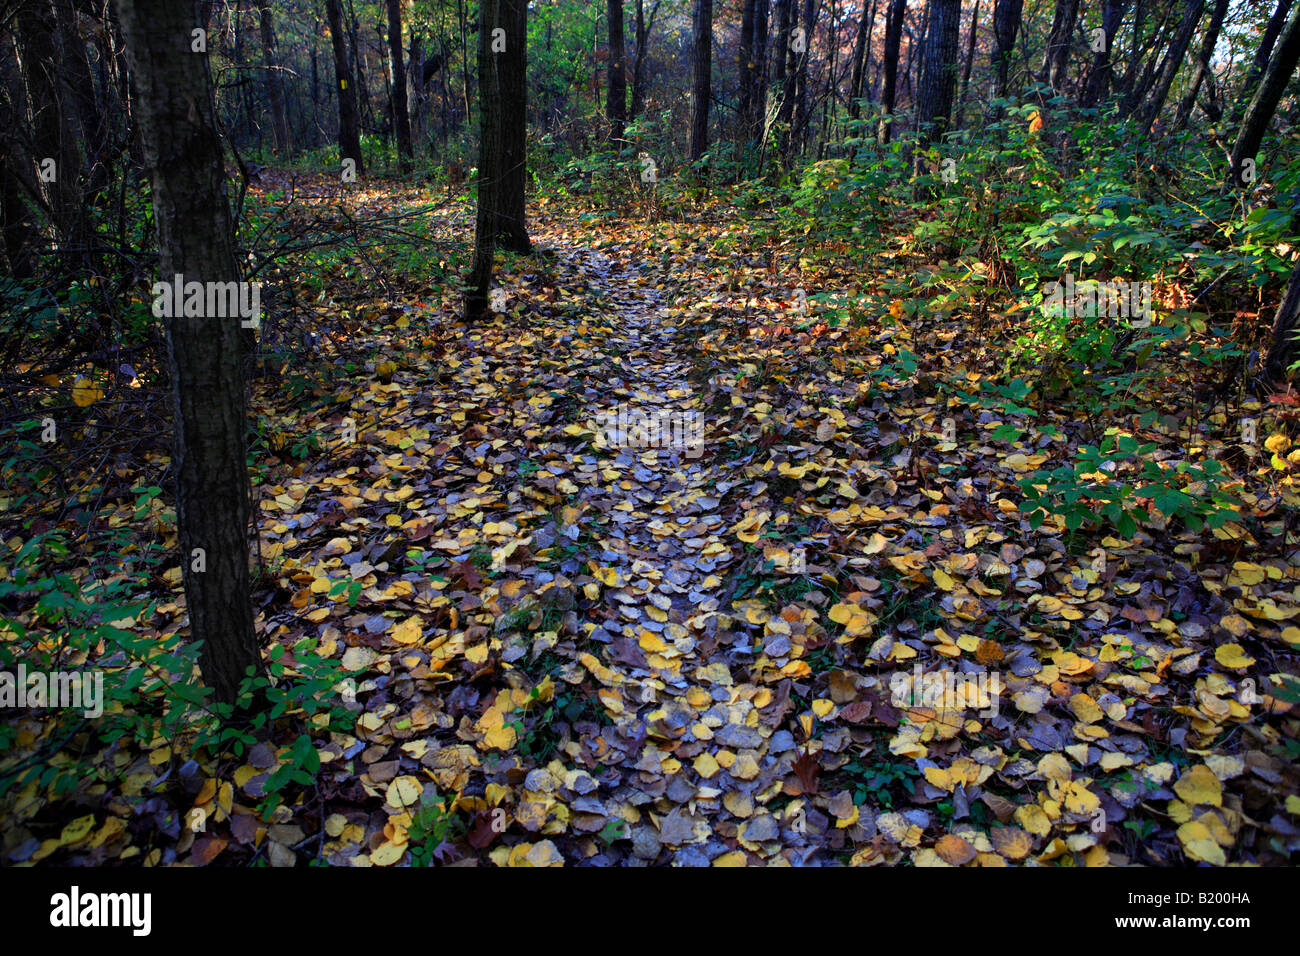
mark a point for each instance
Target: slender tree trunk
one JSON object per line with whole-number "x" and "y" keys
{"x": 349, "y": 130}
{"x": 274, "y": 84}
{"x": 1285, "y": 349}
{"x": 861, "y": 45}
{"x": 1173, "y": 59}
{"x": 701, "y": 78}
{"x": 643, "y": 28}
{"x": 397, "y": 75}
{"x": 1112, "y": 15}
{"x": 938, "y": 71}
{"x": 416, "y": 98}
{"x": 1006, "y": 24}
{"x": 1202, "y": 66}
{"x": 1057, "y": 55}
{"x": 489, "y": 163}
{"x": 616, "y": 95}
{"x": 1279, "y": 72}
{"x": 1262, "y": 53}
{"x": 758, "y": 104}
{"x": 800, "y": 131}
{"x": 970, "y": 60}
{"x": 745, "y": 70}
{"x": 195, "y": 241}
{"x": 511, "y": 230}
{"x": 893, "y": 40}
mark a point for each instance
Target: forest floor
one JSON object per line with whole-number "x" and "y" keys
{"x": 571, "y": 648}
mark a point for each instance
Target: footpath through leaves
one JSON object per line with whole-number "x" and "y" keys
{"x": 666, "y": 563}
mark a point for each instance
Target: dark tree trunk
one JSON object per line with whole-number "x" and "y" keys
{"x": 1056, "y": 58}
{"x": 701, "y": 78}
{"x": 1112, "y": 15}
{"x": 1285, "y": 348}
{"x": 1202, "y": 66}
{"x": 274, "y": 85}
{"x": 510, "y": 223}
{"x": 938, "y": 71}
{"x": 53, "y": 136}
{"x": 349, "y": 128}
{"x": 416, "y": 98}
{"x": 397, "y": 75}
{"x": 745, "y": 71}
{"x": 800, "y": 132}
{"x": 1006, "y": 24}
{"x": 758, "y": 104}
{"x": 195, "y": 241}
{"x": 1173, "y": 59}
{"x": 1278, "y": 73}
{"x": 1262, "y": 53}
{"x": 970, "y": 60}
{"x": 861, "y": 45}
{"x": 616, "y": 95}
{"x": 643, "y": 28}
{"x": 889, "y": 88}
{"x": 489, "y": 162}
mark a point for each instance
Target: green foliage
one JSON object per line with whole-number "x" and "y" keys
{"x": 1105, "y": 486}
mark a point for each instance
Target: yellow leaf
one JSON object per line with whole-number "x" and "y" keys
{"x": 1232, "y": 655}
{"x": 1199, "y": 785}
{"x": 85, "y": 392}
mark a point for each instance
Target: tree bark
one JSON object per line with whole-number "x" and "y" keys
{"x": 1281, "y": 68}
{"x": 1262, "y": 53}
{"x": 970, "y": 61}
{"x": 938, "y": 71}
{"x": 1006, "y": 24}
{"x": 489, "y": 159}
{"x": 861, "y": 45}
{"x": 616, "y": 94}
{"x": 1173, "y": 59}
{"x": 397, "y": 76}
{"x": 1056, "y": 57}
{"x": 643, "y": 28}
{"x": 1202, "y": 66}
{"x": 889, "y": 89}
{"x": 1112, "y": 15}
{"x": 511, "y": 230}
{"x": 701, "y": 78}
{"x": 195, "y": 241}
{"x": 349, "y": 130}
{"x": 274, "y": 84}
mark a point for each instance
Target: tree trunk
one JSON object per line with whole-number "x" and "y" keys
{"x": 1173, "y": 59}
{"x": 889, "y": 89}
{"x": 1112, "y": 15}
{"x": 416, "y": 98}
{"x": 349, "y": 130}
{"x": 1006, "y": 24}
{"x": 861, "y": 45}
{"x": 489, "y": 162}
{"x": 397, "y": 75}
{"x": 1262, "y": 53}
{"x": 195, "y": 241}
{"x": 800, "y": 131}
{"x": 701, "y": 78}
{"x": 1057, "y": 55}
{"x": 1285, "y": 348}
{"x": 1202, "y": 66}
{"x": 643, "y": 28}
{"x": 745, "y": 71}
{"x": 1278, "y": 73}
{"x": 511, "y": 229}
{"x": 274, "y": 84}
{"x": 938, "y": 71}
{"x": 616, "y": 95}
{"x": 970, "y": 60}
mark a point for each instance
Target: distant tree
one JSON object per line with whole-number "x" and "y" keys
{"x": 1172, "y": 61}
{"x": 349, "y": 124}
{"x": 272, "y": 81}
{"x": 397, "y": 80}
{"x": 889, "y": 67}
{"x": 1201, "y": 69}
{"x": 1262, "y": 53}
{"x": 1056, "y": 56}
{"x": 1006, "y": 23}
{"x": 1112, "y": 15}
